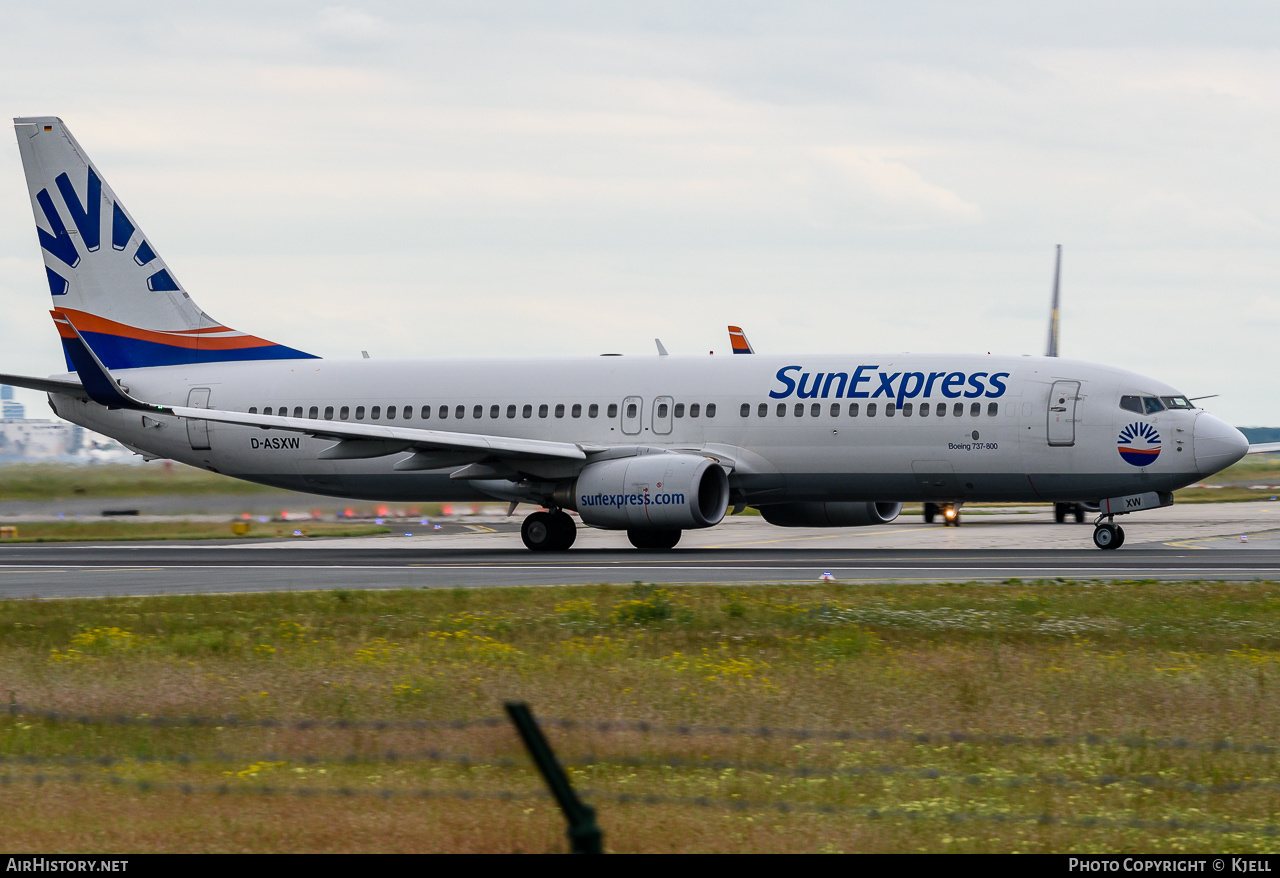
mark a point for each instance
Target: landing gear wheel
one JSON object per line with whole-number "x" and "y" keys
{"x": 1060, "y": 512}
{"x": 538, "y": 532}
{"x": 1108, "y": 536}
{"x": 653, "y": 539}
{"x": 564, "y": 529}
{"x": 930, "y": 510}
{"x": 1079, "y": 512}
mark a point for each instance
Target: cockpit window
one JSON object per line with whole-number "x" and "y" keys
{"x": 1176, "y": 402}
{"x": 1131, "y": 404}
{"x": 1152, "y": 405}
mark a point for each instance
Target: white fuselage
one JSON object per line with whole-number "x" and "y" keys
{"x": 992, "y": 434}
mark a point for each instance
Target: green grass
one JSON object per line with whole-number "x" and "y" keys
{"x": 1126, "y": 662}
{"x": 51, "y": 481}
{"x": 71, "y": 531}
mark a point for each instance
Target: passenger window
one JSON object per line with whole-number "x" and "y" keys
{"x": 853, "y": 409}
{"x": 906, "y": 409}
{"x": 407, "y": 414}
{"x": 835, "y": 409}
{"x": 527, "y": 411}
{"x": 693, "y": 410}
{"x": 391, "y": 413}
{"x": 477, "y": 412}
{"x": 576, "y": 411}
{"x": 345, "y": 412}
{"x": 764, "y": 410}
{"x": 494, "y": 410}
{"x": 958, "y": 410}
{"x": 560, "y": 410}
{"x": 799, "y": 410}
{"x": 631, "y": 410}
{"x": 253, "y": 409}
{"x": 745, "y": 411}
{"x": 328, "y": 413}
{"x": 711, "y": 410}
{"x": 297, "y": 411}
{"x": 782, "y": 409}
{"x": 679, "y": 410}
{"x": 662, "y": 410}
{"x": 815, "y": 410}
{"x": 375, "y": 412}
{"x": 460, "y": 412}
{"x": 871, "y": 410}
{"x": 890, "y": 410}
{"x": 975, "y": 409}
{"x": 593, "y": 410}
{"x": 511, "y": 411}
{"x": 359, "y": 413}
{"x": 941, "y": 410}
{"x": 443, "y": 413}
{"x": 542, "y": 410}
{"x": 425, "y": 414}
{"x": 612, "y": 411}
{"x": 1152, "y": 405}
{"x": 993, "y": 409}
{"x": 267, "y": 410}
{"x": 313, "y": 412}
{"x": 924, "y": 409}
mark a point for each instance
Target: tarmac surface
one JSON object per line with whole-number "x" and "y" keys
{"x": 1186, "y": 542}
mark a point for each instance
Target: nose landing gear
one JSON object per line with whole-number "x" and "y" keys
{"x": 552, "y": 531}
{"x": 1108, "y": 536}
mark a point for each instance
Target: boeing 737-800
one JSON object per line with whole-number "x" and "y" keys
{"x": 653, "y": 446}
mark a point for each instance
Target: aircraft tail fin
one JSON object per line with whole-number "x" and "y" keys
{"x": 738, "y": 340}
{"x": 1051, "y": 349}
{"x": 105, "y": 274}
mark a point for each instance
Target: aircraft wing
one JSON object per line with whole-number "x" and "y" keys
{"x": 48, "y": 385}
{"x": 361, "y": 439}
{"x": 1263, "y": 448}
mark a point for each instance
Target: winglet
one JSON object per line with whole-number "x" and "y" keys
{"x": 96, "y": 379}
{"x": 738, "y": 339}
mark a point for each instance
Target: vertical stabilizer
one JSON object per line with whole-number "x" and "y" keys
{"x": 1051, "y": 349}
{"x": 103, "y": 271}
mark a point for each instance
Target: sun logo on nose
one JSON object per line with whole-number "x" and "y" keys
{"x": 1139, "y": 444}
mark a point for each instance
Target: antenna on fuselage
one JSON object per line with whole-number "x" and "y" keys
{"x": 1052, "y": 349}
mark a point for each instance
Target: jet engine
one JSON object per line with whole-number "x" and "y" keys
{"x": 830, "y": 514}
{"x": 652, "y": 492}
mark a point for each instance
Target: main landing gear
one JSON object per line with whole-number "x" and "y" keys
{"x": 552, "y": 531}
{"x": 654, "y": 539}
{"x": 1062, "y": 510}
{"x": 1108, "y": 536}
{"x": 950, "y": 513}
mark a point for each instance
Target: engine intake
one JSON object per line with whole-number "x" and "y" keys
{"x": 651, "y": 492}
{"x": 830, "y": 514}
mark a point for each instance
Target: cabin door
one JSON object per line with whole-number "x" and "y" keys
{"x": 1064, "y": 397}
{"x": 198, "y": 431}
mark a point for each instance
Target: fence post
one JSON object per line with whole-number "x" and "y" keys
{"x": 584, "y": 835}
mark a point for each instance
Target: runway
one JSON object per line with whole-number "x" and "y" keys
{"x": 1194, "y": 542}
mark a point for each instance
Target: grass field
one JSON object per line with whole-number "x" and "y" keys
{"x": 177, "y": 529}
{"x": 1160, "y": 700}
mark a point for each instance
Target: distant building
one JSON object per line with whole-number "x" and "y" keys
{"x": 29, "y": 439}
{"x": 9, "y": 408}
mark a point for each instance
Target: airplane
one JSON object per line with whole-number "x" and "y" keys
{"x": 652, "y": 446}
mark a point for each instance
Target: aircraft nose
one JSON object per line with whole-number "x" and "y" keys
{"x": 1217, "y": 444}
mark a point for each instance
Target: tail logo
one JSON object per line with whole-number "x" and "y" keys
{"x": 1139, "y": 444}
{"x": 87, "y": 218}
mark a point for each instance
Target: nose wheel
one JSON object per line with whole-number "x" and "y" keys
{"x": 1108, "y": 536}
{"x": 548, "y": 531}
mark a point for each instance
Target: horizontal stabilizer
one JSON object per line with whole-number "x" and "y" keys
{"x": 48, "y": 385}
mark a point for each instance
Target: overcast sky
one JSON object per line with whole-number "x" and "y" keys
{"x": 493, "y": 178}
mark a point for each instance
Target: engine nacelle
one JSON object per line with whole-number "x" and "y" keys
{"x": 652, "y": 492}
{"x": 830, "y": 514}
